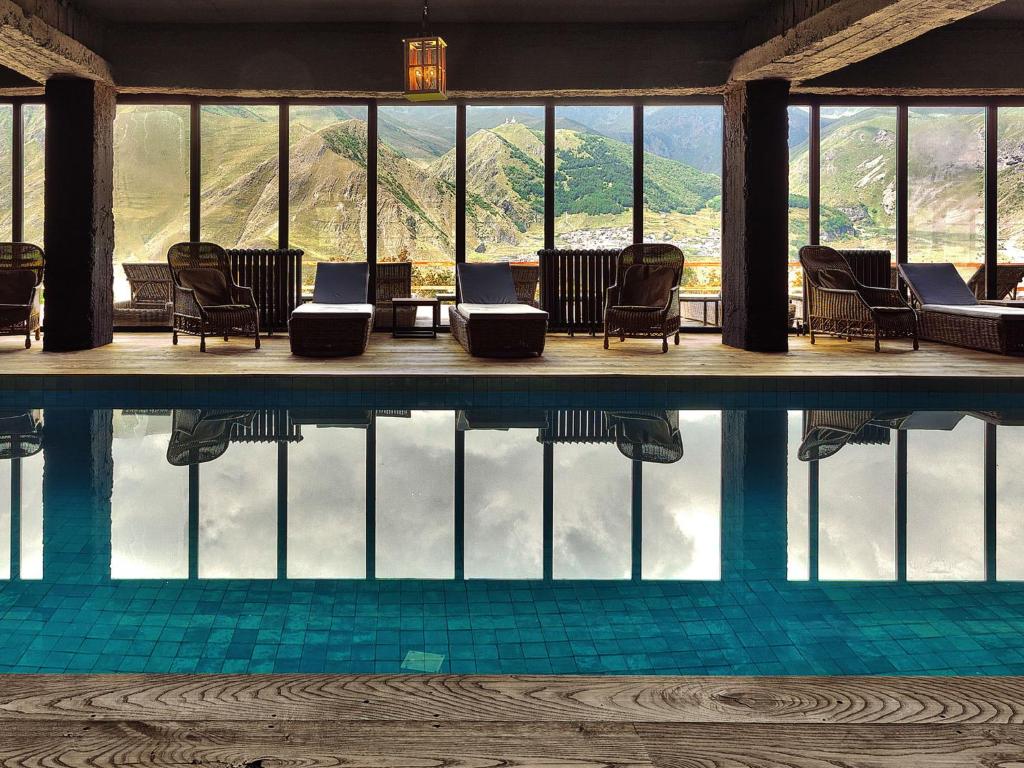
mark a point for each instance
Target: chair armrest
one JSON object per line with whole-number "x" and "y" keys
{"x": 883, "y": 297}
{"x": 241, "y": 294}
{"x": 673, "y": 299}
{"x": 611, "y": 296}
{"x": 185, "y": 302}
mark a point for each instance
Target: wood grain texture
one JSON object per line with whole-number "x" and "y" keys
{"x": 802, "y": 746}
{"x": 699, "y": 355}
{"x": 537, "y": 699}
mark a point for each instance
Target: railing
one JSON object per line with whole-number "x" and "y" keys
{"x": 275, "y": 277}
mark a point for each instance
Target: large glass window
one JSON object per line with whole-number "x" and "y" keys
{"x": 504, "y": 510}
{"x": 798, "y": 515}
{"x": 504, "y": 183}
{"x": 239, "y": 145}
{"x": 149, "y": 503}
{"x": 1010, "y": 174}
{"x": 946, "y": 182}
{"x": 1010, "y": 504}
{"x": 327, "y": 184}
{"x": 21, "y": 497}
{"x": 683, "y": 188}
{"x": 799, "y": 191}
{"x": 416, "y": 193}
{"x": 593, "y": 177}
{"x": 858, "y": 177}
{"x": 34, "y": 125}
{"x": 682, "y": 506}
{"x": 6, "y": 166}
{"x": 151, "y": 184}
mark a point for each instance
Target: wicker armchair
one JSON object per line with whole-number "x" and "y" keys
{"x": 648, "y": 436}
{"x": 394, "y": 281}
{"x": 630, "y": 307}
{"x": 838, "y": 304}
{"x": 21, "y": 273}
{"x": 526, "y": 278}
{"x": 199, "y": 436}
{"x": 207, "y": 302}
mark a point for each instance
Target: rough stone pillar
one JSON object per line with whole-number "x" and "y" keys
{"x": 78, "y": 479}
{"x": 755, "y": 209}
{"x": 754, "y": 495}
{"x": 79, "y": 228}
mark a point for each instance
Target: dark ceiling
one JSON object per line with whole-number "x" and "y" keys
{"x": 404, "y": 11}
{"x": 1008, "y": 10}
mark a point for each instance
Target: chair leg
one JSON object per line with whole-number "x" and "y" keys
{"x": 878, "y": 347}
{"x": 916, "y": 345}
{"x": 37, "y": 334}
{"x": 28, "y": 341}
{"x": 257, "y": 341}
{"x": 664, "y": 344}
{"x": 174, "y": 338}
{"x": 202, "y": 342}
{"x": 677, "y": 338}
{"x": 812, "y": 335}
{"x": 225, "y": 337}
{"x": 606, "y": 338}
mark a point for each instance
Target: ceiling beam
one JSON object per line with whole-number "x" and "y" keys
{"x": 32, "y": 43}
{"x": 826, "y": 38}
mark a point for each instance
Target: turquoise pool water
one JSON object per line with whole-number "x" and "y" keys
{"x": 875, "y": 540}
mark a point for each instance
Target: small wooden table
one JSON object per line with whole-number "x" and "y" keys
{"x": 704, "y": 299}
{"x": 414, "y": 331}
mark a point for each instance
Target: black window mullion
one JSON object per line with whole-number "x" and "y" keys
{"x": 902, "y": 147}
{"x": 283, "y": 165}
{"x": 17, "y": 174}
{"x": 814, "y": 176}
{"x": 195, "y": 169}
{"x": 638, "y": 173}
{"x": 371, "y": 196}
{"x": 991, "y": 199}
{"x": 549, "y": 175}
{"x": 460, "y": 183}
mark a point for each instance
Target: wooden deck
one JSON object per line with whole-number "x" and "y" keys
{"x": 151, "y": 354}
{"x": 271, "y": 720}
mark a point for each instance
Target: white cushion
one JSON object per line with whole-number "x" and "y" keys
{"x": 975, "y": 310}
{"x": 514, "y": 311}
{"x": 327, "y": 310}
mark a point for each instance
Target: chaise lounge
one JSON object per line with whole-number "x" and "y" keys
{"x": 337, "y": 323}
{"x": 950, "y": 313}
{"x": 488, "y": 320}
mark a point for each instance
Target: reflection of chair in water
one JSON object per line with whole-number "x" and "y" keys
{"x": 651, "y": 436}
{"x": 351, "y": 418}
{"x": 21, "y": 434}
{"x": 577, "y": 425}
{"x": 199, "y": 436}
{"x": 827, "y": 431}
{"x": 500, "y": 419}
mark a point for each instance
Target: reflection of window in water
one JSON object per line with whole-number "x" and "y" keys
{"x": 415, "y": 511}
{"x": 1010, "y": 503}
{"x": 592, "y": 512}
{"x": 797, "y": 512}
{"x": 21, "y": 507}
{"x": 149, "y": 502}
{"x": 504, "y": 510}
{"x": 238, "y": 513}
{"x": 682, "y": 505}
{"x": 327, "y": 504}
{"x": 945, "y": 501}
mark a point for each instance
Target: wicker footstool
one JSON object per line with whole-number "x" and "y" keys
{"x": 330, "y": 330}
{"x": 128, "y": 314}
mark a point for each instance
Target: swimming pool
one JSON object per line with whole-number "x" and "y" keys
{"x": 620, "y": 539}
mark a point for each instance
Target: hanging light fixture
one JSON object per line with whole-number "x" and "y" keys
{"x": 425, "y": 71}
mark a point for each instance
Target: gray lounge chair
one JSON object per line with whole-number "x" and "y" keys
{"x": 950, "y": 313}
{"x": 337, "y": 323}
{"x": 488, "y": 320}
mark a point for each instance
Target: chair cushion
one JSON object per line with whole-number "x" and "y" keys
{"x": 836, "y": 279}
{"x": 210, "y": 285}
{"x": 317, "y": 309}
{"x": 486, "y": 283}
{"x": 646, "y": 285}
{"x": 976, "y": 310}
{"x": 509, "y": 311}
{"x": 226, "y": 307}
{"x": 16, "y": 286}
{"x": 344, "y": 283}
{"x": 938, "y": 284}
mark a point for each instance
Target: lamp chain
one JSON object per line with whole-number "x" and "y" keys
{"x": 426, "y": 11}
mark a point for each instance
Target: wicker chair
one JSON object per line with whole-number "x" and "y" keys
{"x": 199, "y": 436}
{"x": 1008, "y": 277}
{"x": 643, "y": 302}
{"x": 21, "y": 273}
{"x": 21, "y": 433}
{"x": 394, "y": 281}
{"x": 648, "y": 436}
{"x": 152, "y": 296}
{"x": 207, "y": 302}
{"x": 526, "y": 278}
{"x": 838, "y": 304}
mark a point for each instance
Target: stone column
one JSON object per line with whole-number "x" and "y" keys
{"x": 79, "y": 228}
{"x": 755, "y": 209}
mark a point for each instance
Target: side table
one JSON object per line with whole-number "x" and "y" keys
{"x": 414, "y": 331}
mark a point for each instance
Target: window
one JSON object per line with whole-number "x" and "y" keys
{"x": 1010, "y": 174}
{"x": 149, "y": 502}
{"x": 1009, "y": 504}
{"x": 21, "y": 501}
{"x": 798, "y": 514}
{"x": 151, "y": 184}
{"x": 683, "y": 188}
{"x": 504, "y": 183}
{"x": 593, "y": 177}
{"x": 6, "y": 167}
{"x": 34, "y": 125}
{"x": 858, "y": 177}
{"x": 504, "y": 504}
{"x": 327, "y": 184}
{"x": 946, "y": 180}
{"x": 239, "y": 145}
{"x": 416, "y": 193}
{"x": 799, "y": 191}
{"x": 682, "y": 506}
{"x": 327, "y": 504}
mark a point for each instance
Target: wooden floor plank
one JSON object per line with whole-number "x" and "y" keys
{"x": 320, "y": 743}
{"x": 539, "y": 699}
{"x": 151, "y": 354}
{"x": 804, "y": 746}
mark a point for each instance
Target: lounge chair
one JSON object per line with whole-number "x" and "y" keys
{"x": 21, "y": 272}
{"x": 648, "y": 436}
{"x": 488, "y": 320}
{"x": 1008, "y": 277}
{"x": 338, "y": 321}
{"x": 207, "y": 302}
{"x": 500, "y": 419}
{"x": 152, "y": 296}
{"x": 951, "y": 314}
{"x": 838, "y": 304}
{"x": 199, "y": 436}
{"x": 643, "y": 302}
